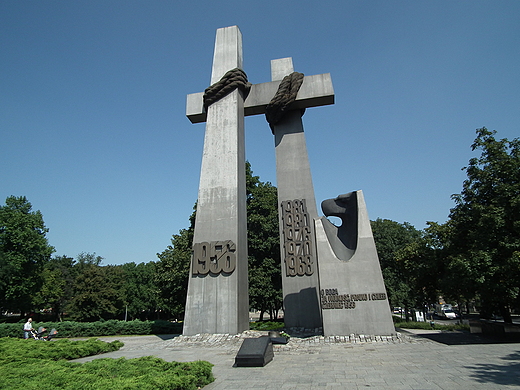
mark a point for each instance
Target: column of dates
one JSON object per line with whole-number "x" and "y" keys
{"x": 298, "y": 238}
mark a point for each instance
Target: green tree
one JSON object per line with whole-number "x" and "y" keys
{"x": 24, "y": 250}
{"x": 98, "y": 291}
{"x": 57, "y": 284}
{"x": 173, "y": 270}
{"x": 412, "y": 261}
{"x": 422, "y": 262}
{"x": 265, "y": 278}
{"x": 392, "y": 237}
{"x": 485, "y": 224}
{"x": 141, "y": 292}
{"x": 454, "y": 281}
{"x": 86, "y": 259}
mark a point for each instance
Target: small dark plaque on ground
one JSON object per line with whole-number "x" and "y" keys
{"x": 255, "y": 352}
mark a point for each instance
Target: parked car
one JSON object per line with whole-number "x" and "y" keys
{"x": 449, "y": 314}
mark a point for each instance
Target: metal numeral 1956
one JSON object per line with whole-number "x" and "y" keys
{"x": 214, "y": 257}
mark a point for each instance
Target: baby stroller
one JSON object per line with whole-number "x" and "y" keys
{"x": 51, "y": 334}
{"x": 38, "y": 335}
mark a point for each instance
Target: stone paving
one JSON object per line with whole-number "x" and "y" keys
{"x": 412, "y": 360}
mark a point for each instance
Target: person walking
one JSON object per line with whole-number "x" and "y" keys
{"x": 28, "y": 328}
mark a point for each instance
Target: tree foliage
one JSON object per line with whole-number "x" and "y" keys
{"x": 98, "y": 292}
{"x": 485, "y": 224}
{"x": 140, "y": 290}
{"x": 411, "y": 262}
{"x": 475, "y": 255}
{"x": 24, "y": 250}
{"x": 265, "y": 278}
{"x": 423, "y": 263}
{"x": 56, "y": 286}
{"x": 391, "y": 238}
{"x": 173, "y": 270}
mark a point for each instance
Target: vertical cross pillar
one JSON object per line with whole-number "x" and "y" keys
{"x": 217, "y": 300}
{"x": 297, "y": 211}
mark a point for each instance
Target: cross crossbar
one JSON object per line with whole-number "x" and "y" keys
{"x": 315, "y": 91}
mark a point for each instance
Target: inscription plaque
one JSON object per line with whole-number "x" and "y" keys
{"x": 331, "y": 299}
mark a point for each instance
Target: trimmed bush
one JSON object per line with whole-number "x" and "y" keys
{"x": 31, "y": 364}
{"x": 98, "y": 328}
{"x": 16, "y": 349}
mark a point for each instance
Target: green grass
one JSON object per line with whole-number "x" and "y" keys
{"x": 266, "y": 325}
{"x": 31, "y": 364}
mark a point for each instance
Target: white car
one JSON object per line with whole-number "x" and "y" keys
{"x": 449, "y": 314}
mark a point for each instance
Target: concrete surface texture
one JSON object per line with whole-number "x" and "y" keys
{"x": 217, "y": 299}
{"x": 297, "y": 211}
{"x": 408, "y": 361}
{"x": 353, "y": 292}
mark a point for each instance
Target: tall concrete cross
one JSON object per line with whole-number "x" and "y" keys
{"x": 218, "y": 300}
{"x": 297, "y": 212}
{"x": 204, "y": 306}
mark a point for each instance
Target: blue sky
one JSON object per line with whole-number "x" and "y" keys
{"x": 92, "y": 106}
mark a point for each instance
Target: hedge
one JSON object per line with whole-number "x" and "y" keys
{"x": 96, "y": 329}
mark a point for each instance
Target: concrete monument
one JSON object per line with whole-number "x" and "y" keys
{"x": 321, "y": 264}
{"x": 295, "y": 191}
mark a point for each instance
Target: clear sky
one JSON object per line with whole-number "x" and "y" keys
{"x": 92, "y": 106}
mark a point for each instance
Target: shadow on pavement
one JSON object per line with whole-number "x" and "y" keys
{"x": 507, "y": 374}
{"x": 465, "y": 338}
{"x": 165, "y": 337}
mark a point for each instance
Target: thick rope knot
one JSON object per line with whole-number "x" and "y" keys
{"x": 235, "y": 78}
{"x": 284, "y": 97}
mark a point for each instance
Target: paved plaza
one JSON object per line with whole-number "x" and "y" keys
{"x": 417, "y": 360}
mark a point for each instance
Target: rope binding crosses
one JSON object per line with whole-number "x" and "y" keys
{"x": 234, "y": 78}
{"x": 283, "y": 99}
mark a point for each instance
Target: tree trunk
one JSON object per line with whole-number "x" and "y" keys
{"x": 505, "y": 313}
{"x": 406, "y": 314}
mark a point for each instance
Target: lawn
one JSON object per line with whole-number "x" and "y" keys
{"x": 35, "y": 364}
